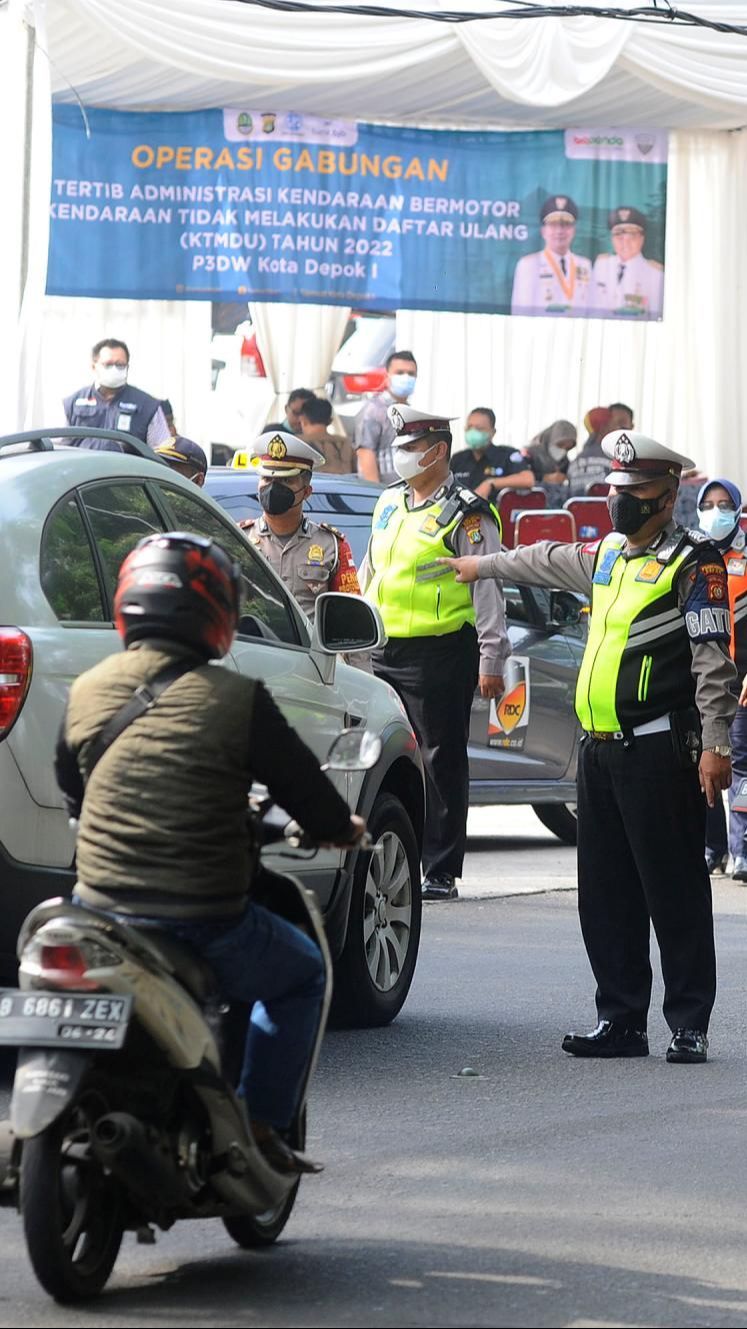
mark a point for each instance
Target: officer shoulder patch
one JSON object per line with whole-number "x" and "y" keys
{"x": 325, "y": 526}
{"x": 472, "y": 528}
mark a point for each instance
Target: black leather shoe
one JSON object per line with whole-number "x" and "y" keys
{"x": 280, "y": 1156}
{"x": 611, "y": 1038}
{"x": 688, "y": 1045}
{"x": 440, "y": 887}
{"x": 739, "y": 871}
{"x": 715, "y": 862}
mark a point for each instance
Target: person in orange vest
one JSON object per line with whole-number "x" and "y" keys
{"x": 719, "y": 514}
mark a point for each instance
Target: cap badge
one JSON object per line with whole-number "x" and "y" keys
{"x": 623, "y": 213}
{"x": 624, "y": 450}
{"x": 276, "y": 448}
{"x": 561, "y": 202}
{"x": 396, "y": 418}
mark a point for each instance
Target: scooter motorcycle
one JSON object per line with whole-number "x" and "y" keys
{"x": 123, "y": 1113}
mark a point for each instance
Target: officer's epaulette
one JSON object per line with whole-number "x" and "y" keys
{"x": 325, "y": 526}
{"x": 675, "y": 543}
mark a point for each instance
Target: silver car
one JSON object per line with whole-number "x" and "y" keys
{"x": 68, "y": 516}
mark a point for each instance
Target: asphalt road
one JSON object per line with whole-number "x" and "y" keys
{"x": 545, "y": 1192}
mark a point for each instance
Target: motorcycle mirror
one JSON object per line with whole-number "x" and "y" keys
{"x": 354, "y": 750}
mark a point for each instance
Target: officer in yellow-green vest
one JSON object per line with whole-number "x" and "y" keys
{"x": 655, "y": 703}
{"x": 443, "y": 638}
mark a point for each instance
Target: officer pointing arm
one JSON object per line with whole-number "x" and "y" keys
{"x": 656, "y": 668}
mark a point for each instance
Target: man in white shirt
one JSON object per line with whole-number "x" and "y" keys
{"x": 625, "y": 284}
{"x": 553, "y": 280}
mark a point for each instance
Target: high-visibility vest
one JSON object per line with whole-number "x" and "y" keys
{"x": 637, "y": 665}
{"x": 415, "y": 595}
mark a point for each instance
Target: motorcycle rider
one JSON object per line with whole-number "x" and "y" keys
{"x": 163, "y": 835}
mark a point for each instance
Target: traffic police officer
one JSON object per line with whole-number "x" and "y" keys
{"x": 309, "y": 557}
{"x": 110, "y": 402}
{"x": 656, "y": 668}
{"x": 719, "y": 514}
{"x": 625, "y": 283}
{"x": 553, "y": 281}
{"x": 433, "y": 624}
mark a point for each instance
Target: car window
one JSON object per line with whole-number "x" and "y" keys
{"x": 260, "y": 596}
{"x": 120, "y": 514}
{"x": 68, "y": 571}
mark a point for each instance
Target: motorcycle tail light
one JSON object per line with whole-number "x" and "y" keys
{"x": 15, "y": 675}
{"x": 65, "y": 967}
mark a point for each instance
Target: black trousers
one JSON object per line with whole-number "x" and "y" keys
{"x": 436, "y": 679}
{"x": 641, "y": 837}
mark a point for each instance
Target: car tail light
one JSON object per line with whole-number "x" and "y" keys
{"x": 15, "y": 675}
{"x": 372, "y": 381}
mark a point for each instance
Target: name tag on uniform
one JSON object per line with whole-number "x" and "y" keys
{"x": 85, "y": 401}
{"x": 124, "y": 421}
{"x": 603, "y": 574}
{"x": 736, "y": 566}
{"x": 385, "y": 516}
{"x": 651, "y": 571}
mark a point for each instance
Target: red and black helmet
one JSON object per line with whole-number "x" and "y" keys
{"x": 181, "y": 587}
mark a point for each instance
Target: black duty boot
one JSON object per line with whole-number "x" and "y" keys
{"x": 440, "y": 886}
{"x": 611, "y": 1038}
{"x": 688, "y": 1045}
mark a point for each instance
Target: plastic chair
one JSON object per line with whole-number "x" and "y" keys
{"x": 510, "y": 502}
{"x": 553, "y": 524}
{"x": 591, "y": 516}
{"x": 598, "y": 490}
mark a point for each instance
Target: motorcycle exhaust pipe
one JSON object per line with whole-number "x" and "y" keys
{"x": 137, "y": 1157}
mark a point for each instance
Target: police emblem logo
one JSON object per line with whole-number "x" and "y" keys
{"x": 623, "y": 213}
{"x": 430, "y": 525}
{"x": 315, "y": 554}
{"x": 277, "y": 449}
{"x": 651, "y": 571}
{"x": 624, "y": 450}
{"x": 560, "y": 202}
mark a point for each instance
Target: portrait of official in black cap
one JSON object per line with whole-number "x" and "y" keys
{"x": 624, "y": 283}
{"x": 554, "y": 280}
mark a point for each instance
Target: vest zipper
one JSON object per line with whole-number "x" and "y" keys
{"x": 645, "y": 677}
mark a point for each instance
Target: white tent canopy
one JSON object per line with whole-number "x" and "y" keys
{"x": 685, "y": 377}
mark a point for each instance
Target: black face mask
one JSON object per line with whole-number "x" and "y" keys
{"x": 277, "y": 498}
{"x": 629, "y": 513}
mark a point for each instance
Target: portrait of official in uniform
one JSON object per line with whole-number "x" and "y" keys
{"x": 625, "y": 284}
{"x": 554, "y": 280}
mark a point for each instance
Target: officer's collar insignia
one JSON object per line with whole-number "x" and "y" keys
{"x": 277, "y": 449}
{"x": 624, "y": 450}
{"x": 396, "y": 418}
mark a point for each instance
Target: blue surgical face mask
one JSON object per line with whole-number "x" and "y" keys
{"x": 716, "y": 522}
{"x": 402, "y": 385}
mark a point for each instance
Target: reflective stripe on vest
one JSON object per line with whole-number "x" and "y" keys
{"x": 637, "y": 662}
{"x": 415, "y": 596}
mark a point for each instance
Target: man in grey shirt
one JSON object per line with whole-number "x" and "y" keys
{"x": 656, "y": 673}
{"x": 374, "y": 432}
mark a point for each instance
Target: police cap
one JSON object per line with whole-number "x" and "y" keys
{"x": 277, "y": 453}
{"x": 410, "y": 424}
{"x": 636, "y": 459}
{"x": 559, "y": 207}
{"x": 626, "y": 217}
{"x": 180, "y": 451}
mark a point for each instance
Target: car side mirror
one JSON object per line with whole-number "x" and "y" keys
{"x": 565, "y": 609}
{"x": 345, "y": 623}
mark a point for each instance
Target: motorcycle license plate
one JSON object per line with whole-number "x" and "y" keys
{"x": 61, "y": 1019}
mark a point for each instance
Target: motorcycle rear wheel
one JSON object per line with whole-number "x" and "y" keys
{"x": 252, "y": 1230}
{"x": 72, "y": 1212}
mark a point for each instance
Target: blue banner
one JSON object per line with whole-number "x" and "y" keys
{"x": 231, "y": 205}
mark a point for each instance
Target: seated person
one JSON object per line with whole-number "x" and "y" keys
{"x": 485, "y": 467}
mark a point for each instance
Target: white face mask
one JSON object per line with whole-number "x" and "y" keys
{"x": 716, "y": 522}
{"x": 111, "y": 376}
{"x": 408, "y": 464}
{"x": 556, "y": 452}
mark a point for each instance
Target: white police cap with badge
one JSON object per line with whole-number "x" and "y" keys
{"x": 277, "y": 453}
{"x": 636, "y": 459}
{"x": 411, "y": 424}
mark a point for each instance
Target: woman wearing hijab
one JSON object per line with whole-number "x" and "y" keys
{"x": 719, "y": 515}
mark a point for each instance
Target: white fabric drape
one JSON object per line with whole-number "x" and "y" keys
{"x": 179, "y": 54}
{"x": 685, "y": 377}
{"x": 297, "y": 344}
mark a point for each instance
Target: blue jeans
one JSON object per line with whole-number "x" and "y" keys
{"x": 263, "y": 960}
